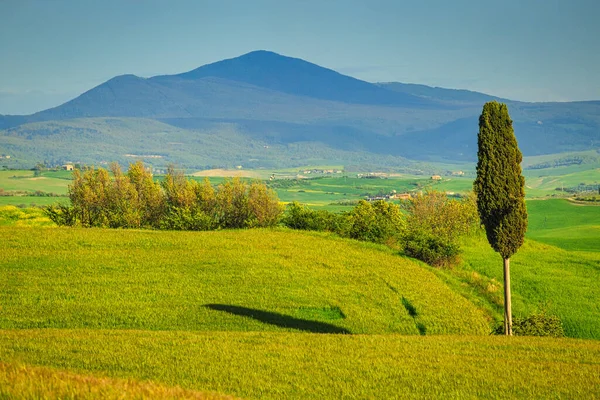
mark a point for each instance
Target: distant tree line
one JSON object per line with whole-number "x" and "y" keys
{"x": 565, "y": 161}
{"x": 136, "y": 200}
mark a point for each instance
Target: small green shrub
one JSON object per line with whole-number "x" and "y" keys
{"x": 434, "y": 250}
{"x": 301, "y": 217}
{"x": 538, "y": 324}
{"x": 184, "y": 219}
{"x": 61, "y": 214}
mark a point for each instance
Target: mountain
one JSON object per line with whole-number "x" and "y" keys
{"x": 439, "y": 94}
{"x": 299, "y": 78}
{"x": 235, "y": 108}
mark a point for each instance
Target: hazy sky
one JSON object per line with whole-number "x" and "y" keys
{"x": 531, "y": 50}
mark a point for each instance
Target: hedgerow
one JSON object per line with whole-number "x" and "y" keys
{"x": 135, "y": 200}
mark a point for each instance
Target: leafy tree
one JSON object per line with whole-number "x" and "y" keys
{"x": 178, "y": 190}
{"x": 232, "y": 204}
{"x": 442, "y": 216}
{"x": 150, "y": 196}
{"x": 88, "y": 194}
{"x": 500, "y": 190}
{"x": 379, "y": 222}
{"x": 434, "y": 224}
{"x": 263, "y": 205}
{"x": 122, "y": 206}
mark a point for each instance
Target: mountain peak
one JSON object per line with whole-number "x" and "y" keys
{"x": 298, "y": 77}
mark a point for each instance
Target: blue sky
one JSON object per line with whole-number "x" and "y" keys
{"x": 531, "y": 50}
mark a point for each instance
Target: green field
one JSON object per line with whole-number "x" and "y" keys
{"x": 564, "y": 224}
{"x": 21, "y": 217}
{"x": 18, "y": 381}
{"x": 275, "y": 365}
{"x": 330, "y": 192}
{"x": 78, "y": 278}
{"x": 271, "y": 314}
{"x": 24, "y": 180}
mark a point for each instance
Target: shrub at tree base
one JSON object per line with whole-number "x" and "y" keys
{"x": 540, "y": 324}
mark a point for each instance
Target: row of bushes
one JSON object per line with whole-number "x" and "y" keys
{"x": 135, "y": 200}
{"x": 426, "y": 227}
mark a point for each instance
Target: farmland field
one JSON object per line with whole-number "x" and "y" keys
{"x": 262, "y": 314}
{"x": 565, "y": 224}
{"x": 335, "y": 193}
{"x": 26, "y": 181}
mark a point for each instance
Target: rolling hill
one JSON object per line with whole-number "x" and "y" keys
{"x": 266, "y": 314}
{"x": 272, "y": 100}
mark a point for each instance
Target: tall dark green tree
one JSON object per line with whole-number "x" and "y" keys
{"x": 500, "y": 189}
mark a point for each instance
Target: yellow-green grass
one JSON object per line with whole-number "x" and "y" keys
{"x": 19, "y": 381}
{"x": 13, "y": 216}
{"x": 252, "y": 280}
{"x": 542, "y": 276}
{"x": 561, "y": 223}
{"x": 276, "y": 365}
{"x": 32, "y": 201}
{"x": 23, "y": 180}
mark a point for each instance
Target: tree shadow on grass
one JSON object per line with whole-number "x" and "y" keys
{"x": 281, "y": 320}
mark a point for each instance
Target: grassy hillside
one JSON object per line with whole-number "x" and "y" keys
{"x": 270, "y": 365}
{"x": 280, "y": 314}
{"x": 27, "y": 382}
{"x": 564, "y": 224}
{"x": 232, "y": 280}
{"x": 542, "y": 276}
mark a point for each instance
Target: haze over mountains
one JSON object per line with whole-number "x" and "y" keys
{"x": 263, "y": 109}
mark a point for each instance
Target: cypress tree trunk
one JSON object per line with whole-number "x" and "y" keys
{"x": 507, "y": 304}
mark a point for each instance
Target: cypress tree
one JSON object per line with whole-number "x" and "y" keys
{"x": 500, "y": 190}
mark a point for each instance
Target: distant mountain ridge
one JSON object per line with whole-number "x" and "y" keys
{"x": 274, "y": 100}
{"x": 298, "y": 77}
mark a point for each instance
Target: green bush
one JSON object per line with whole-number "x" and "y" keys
{"x": 299, "y": 216}
{"x": 61, "y": 214}
{"x": 379, "y": 222}
{"x": 185, "y": 219}
{"x": 434, "y": 250}
{"x": 538, "y": 324}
